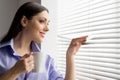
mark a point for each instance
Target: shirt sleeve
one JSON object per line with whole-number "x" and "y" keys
{"x": 54, "y": 74}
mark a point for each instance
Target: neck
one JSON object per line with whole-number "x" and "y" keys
{"x": 21, "y": 43}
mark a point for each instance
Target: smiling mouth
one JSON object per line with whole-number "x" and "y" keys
{"x": 42, "y": 34}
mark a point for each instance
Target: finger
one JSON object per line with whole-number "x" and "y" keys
{"x": 30, "y": 68}
{"x": 30, "y": 53}
{"x": 82, "y": 39}
{"x": 23, "y": 57}
{"x": 29, "y": 59}
{"x": 30, "y": 64}
{"x": 76, "y": 44}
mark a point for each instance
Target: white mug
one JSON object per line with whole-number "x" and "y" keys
{"x": 39, "y": 62}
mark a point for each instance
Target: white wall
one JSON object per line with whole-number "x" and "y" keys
{"x": 7, "y": 11}
{"x": 50, "y": 43}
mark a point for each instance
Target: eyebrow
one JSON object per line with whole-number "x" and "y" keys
{"x": 45, "y": 19}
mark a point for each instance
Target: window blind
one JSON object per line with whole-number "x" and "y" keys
{"x": 99, "y": 57}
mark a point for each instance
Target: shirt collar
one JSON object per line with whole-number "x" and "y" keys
{"x": 8, "y": 43}
{"x": 34, "y": 46}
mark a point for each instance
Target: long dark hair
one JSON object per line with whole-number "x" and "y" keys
{"x": 29, "y": 10}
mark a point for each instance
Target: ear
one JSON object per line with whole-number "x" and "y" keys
{"x": 24, "y": 21}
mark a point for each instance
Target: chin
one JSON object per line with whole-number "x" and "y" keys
{"x": 40, "y": 40}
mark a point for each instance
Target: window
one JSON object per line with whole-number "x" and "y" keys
{"x": 99, "y": 58}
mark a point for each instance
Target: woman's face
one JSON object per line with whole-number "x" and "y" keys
{"x": 37, "y": 27}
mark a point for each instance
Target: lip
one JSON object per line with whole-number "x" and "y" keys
{"x": 42, "y": 34}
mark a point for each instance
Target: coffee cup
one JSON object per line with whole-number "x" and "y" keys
{"x": 39, "y": 62}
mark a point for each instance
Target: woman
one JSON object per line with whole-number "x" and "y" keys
{"x": 26, "y": 32}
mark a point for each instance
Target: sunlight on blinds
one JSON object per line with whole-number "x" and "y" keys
{"x": 99, "y": 58}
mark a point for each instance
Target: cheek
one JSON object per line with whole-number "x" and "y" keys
{"x": 35, "y": 28}
{"x": 38, "y": 27}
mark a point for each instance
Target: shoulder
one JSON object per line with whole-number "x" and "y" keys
{"x": 5, "y": 49}
{"x": 6, "y": 44}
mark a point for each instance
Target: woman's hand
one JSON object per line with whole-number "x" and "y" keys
{"x": 25, "y": 64}
{"x": 75, "y": 45}
{"x": 72, "y": 50}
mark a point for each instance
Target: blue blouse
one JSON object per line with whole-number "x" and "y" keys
{"x": 8, "y": 58}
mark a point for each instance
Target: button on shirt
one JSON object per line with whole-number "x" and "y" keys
{"x": 8, "y": 58}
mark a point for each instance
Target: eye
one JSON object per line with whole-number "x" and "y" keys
{"x": 42, "y": 21}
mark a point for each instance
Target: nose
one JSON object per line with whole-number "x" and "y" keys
{"x": 46, "y": 28}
